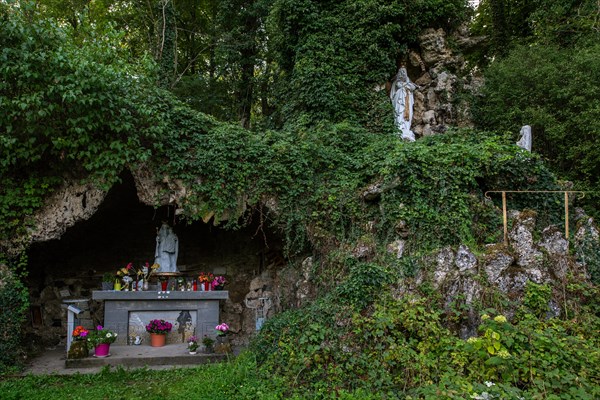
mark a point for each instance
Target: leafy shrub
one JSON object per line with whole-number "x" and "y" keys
{"x": 14, "y": 301}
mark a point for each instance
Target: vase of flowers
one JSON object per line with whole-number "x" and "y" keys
{"x": 144, "y": 274}
{"x": 100, "y": 341}
{"x": 205, "y": 279}
{"x": 158, "y": 329}
{"x": 78, "y": 347}
{"x": 218, "y": 283}
{"x": 192, "y": 344}
{"x": 124, "y": 273}
{"x": 222, "y": 331}
{"x": 208, "y": 344}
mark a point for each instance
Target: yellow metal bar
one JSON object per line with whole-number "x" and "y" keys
{"x": 504, "y": 218}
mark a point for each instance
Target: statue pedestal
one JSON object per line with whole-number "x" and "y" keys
{"x": 191, "y": 313}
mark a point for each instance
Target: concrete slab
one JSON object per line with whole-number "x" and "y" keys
{"x": 141, "y": 356}
{"x": 54, "y": 361}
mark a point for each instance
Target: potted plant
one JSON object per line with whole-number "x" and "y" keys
{"x": 218, "y": 283}
{"x": 100, "y": 341}
{"x": 222, "y": 330}
{"x": 108, "y": 281}
{"x": 208, "y": 344}
{"x": 78, "y": 348}
{"x": 192, "y": 344}
{"x": 158, "y": 329}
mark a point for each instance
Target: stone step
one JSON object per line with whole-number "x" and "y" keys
{"x": 145, "y": 355}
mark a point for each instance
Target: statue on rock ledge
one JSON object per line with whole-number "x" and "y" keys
{"x": 526, "y": 138}
{"x": 403, "y": 102}
{"x": 167, "y": 249}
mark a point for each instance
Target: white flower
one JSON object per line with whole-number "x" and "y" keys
{"x": 488, "y": 383}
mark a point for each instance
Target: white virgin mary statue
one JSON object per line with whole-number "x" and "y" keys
{"x": 403, "y": 102}
{"x": 167, "y": 249}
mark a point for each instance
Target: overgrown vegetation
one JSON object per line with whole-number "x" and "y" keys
{"x": 14, "y": 298}
{"x": 400, "y": 347}
{"x": 75, "y": 107}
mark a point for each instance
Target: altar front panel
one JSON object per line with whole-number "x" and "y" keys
{"x": 127, "y": 313}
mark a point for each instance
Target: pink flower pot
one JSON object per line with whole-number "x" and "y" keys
{"x": 102, "y": 350}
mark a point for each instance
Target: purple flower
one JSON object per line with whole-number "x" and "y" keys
{"x": 99, "y": 328}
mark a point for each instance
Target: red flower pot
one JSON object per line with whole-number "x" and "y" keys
{"x": 163, "y": 285}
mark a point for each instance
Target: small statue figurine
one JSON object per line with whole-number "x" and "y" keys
{"x": 167, "y": 249}
{"x": 403, "y": 102}
{"x": 526, "y": 139}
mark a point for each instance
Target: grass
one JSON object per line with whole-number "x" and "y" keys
{"x": 237, "y": 379}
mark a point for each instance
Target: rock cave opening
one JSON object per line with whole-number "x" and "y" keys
{"x": 123, "y": 230}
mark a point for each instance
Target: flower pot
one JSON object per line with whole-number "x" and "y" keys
{"x": 206, "y": 286}
{"x": 102, "y": 350}
{"x": 157, "y": 339}
{"x": 193, "y": 352}
{"x": 107, "y": 285}
{"x": 222, "y": 339}
{"x": 78, "y": 350}
{"x": 163, "y": 285}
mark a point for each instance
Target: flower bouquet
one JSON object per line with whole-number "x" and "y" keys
{"x": 222, "y": 329}
{"x": 78, "y": 348}
{"x": 205, "y": 279}
{"x": 144, "y": 274}
{"x": 80, "y": 333}
{"x": 218, "y": 283}
{"x": 222, "y": 340}
{"x": 124, "y": 273}
{"x": 192, "y": 344}
{"x": 158, "y": 329}
{"x": 100, "y": 340}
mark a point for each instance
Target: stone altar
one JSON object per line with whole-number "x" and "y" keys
{"x": 191, "y": 313}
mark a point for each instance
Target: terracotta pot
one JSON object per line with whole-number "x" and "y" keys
{"x": 102, "y": 350}
{"x": 157, "y": 339}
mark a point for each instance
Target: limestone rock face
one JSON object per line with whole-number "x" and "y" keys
{"x": 441, "y": 74}
{"x": 557, "y": 249}
{"x": 521, "y": 237}
{"x": 71, "y": 203}
{"x": 497, "y": 265}
{"x": 465, "y": 260}
{"x": 433, "y": 45}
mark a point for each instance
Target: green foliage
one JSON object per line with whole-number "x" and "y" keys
{"x": 399, "y": 347}
{"x": 65, "y": 108}
{"x": 562, "y": 107}
{"x": 333, "y": 53}
{"x": 508, "y": 23}
{"x": 14, "y": 302}
{"x": 437, "y": 182}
